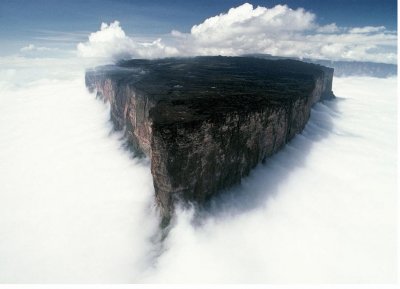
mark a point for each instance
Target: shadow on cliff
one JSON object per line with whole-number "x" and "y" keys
{"x": 263, "y": 182}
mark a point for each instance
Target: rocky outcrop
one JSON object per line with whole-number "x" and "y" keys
{"x": 205, "y": 122}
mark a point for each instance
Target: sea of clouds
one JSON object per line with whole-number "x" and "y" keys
{"x": 75, "y": 206}
{"x": 322, "y": 210}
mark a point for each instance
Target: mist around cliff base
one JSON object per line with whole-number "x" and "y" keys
{"x": 75, "y": 207}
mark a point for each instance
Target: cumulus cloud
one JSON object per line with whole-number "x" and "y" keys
{"x": 246, "y": 20}
{"x": 283, "y": 31}
{"x": 111, "y": 42}
{"x": 245, "y": 29}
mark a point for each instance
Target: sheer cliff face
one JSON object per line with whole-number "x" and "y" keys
{"x": 206, "y": 122}
{"x": 129, "y": 109}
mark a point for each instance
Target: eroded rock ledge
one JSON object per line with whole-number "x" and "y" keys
{"x": 205, "y": 122}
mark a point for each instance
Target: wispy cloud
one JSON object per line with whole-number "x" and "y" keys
{"x": 60, "y": 36}
{"x": 368, "y": 29}
{"x": 32, "y": 47}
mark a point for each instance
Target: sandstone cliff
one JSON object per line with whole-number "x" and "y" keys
{"x": 205, "y": 122}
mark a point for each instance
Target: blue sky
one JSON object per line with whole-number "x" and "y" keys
{"x": 53, "y": 23}
{"x": 19, "y": 18}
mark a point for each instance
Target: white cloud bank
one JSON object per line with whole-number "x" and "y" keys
{"x": 322, "y": 210}
{"x": 75, "y": 208}
{"x": 279, "y": 30}
{"x": 111, "y": 42}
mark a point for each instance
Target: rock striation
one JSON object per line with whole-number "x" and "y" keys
{"x": 205, "y": 122}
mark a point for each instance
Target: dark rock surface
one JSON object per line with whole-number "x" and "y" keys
{"x": 205, "y": 122}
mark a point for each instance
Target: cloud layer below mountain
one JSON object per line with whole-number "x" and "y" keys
{"x": 74, "y": 207}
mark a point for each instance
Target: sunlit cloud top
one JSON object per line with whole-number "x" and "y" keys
{"x": 279, "y": 30}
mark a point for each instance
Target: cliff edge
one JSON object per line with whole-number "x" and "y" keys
{"x": 205, "y": 122}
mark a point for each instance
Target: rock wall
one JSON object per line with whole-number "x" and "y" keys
{"x": 129, "y": 108}
{"x": 195, "y": 153}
